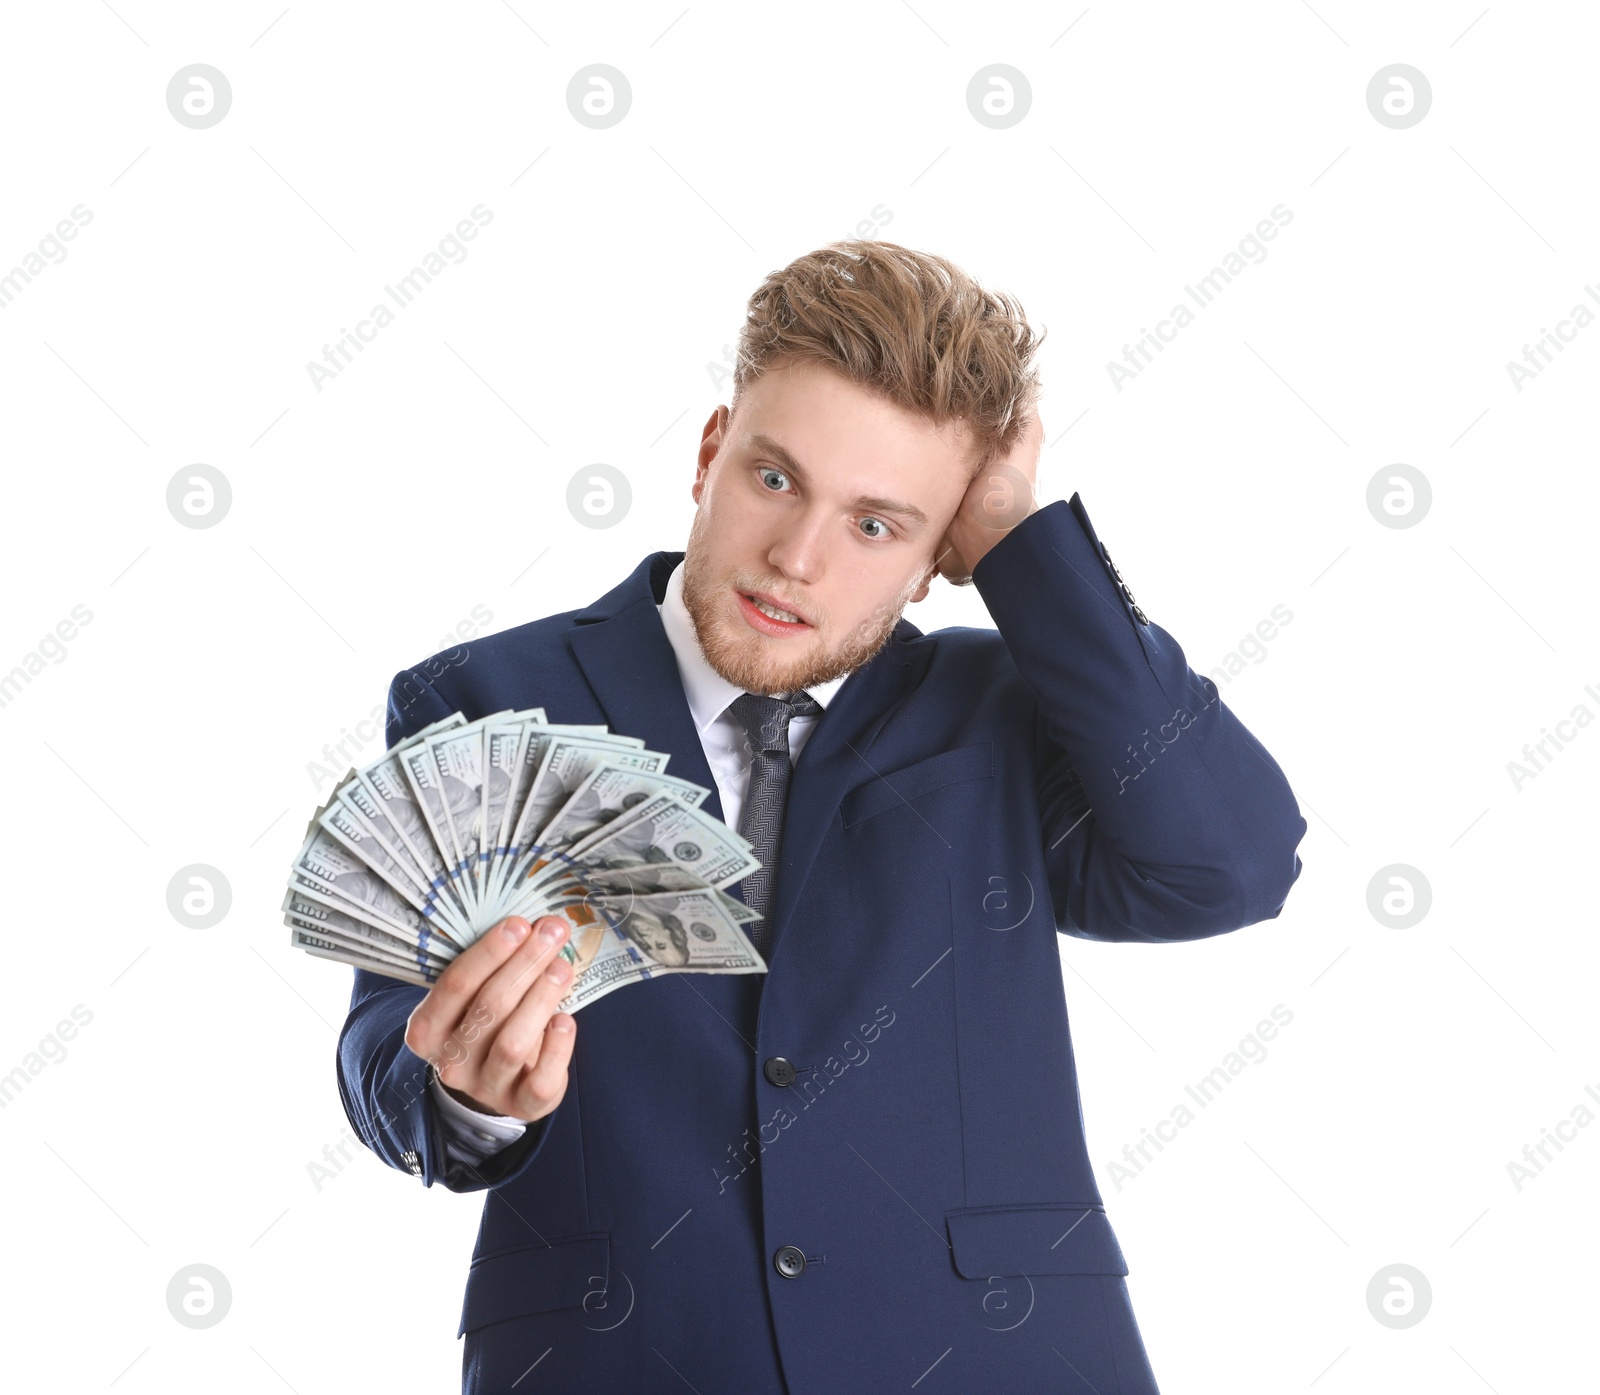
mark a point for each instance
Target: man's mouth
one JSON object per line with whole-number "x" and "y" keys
{"x": 767, "y": 616}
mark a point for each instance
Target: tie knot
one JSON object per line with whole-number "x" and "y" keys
{"x": 766, "y": 719}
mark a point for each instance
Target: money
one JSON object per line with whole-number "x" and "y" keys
{"x": 564, "y": 762}
{"x": 416, "y": 855}
{"x": 513, "y": 754}
{"x": 605, "y": 794}
{"x": 662, "y": 844}
{"x": 674, "y": 933}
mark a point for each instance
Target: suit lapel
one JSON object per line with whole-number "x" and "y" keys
{"x": 837, "y": 757}
{"x": 620, "y": 644}
{"x": 623, "y": 649}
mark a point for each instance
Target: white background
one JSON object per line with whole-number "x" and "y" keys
{"x": 585, "y": 325}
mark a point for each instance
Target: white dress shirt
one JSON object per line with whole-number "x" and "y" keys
{"x": 471, "y": 1136}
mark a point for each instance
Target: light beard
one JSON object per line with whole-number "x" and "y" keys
{"x": 745, "y": 665}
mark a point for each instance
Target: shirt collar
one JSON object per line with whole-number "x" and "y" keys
{"x": 709, "y": 693}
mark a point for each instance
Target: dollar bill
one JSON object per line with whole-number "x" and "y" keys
{"x": 385, "y": 782}
{"x": 323, "y": 948}
{"x": 534, "y": 741}
{"x": 344, "y": 821}
{"x": 565, "y": 761}
{"x": 421, "y": 772}
{"x": 646, "y": 936}
{"x": 327, "y": 871}
{"x": 357, "y": 944}
{"x": 417, "y": 854}
{"x": 311, "y": 914}
{"x": 512, "y": 754}
{"x": 605, "y": 794}
{"x": 458, "y": 759}
{"x": 648, "y": 851}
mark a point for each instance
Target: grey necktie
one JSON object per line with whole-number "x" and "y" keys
{"x": 766, "y": 722}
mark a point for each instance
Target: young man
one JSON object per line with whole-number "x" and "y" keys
{"x": 866, "y": 1168}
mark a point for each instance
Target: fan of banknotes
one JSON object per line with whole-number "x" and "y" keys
{"x": 416, "y": 855}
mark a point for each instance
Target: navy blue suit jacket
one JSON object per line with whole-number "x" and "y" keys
{"x": 966, "y": 796}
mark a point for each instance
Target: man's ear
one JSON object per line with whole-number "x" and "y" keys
{"x": 922, "y": 590}
{"x": 711, "y": 439}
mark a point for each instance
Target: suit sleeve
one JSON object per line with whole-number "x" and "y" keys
{"x": 1164, "y": 819}
{"x": 383, "y": 1084}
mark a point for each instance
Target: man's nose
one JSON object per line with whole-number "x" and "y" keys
{"x": 800, "y": 551}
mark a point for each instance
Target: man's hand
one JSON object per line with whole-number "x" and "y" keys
{"x": 999, "y": 497}
{"x": 490, "y": 1025}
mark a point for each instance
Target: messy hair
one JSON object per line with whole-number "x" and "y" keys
{"x": 909, "y": 325}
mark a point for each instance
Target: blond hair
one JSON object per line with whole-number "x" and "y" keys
{"x": 911, "y": 326}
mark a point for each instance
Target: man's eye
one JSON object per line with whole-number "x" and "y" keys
{"x": 878, "y": 524}
{"x": 769, "y": 474}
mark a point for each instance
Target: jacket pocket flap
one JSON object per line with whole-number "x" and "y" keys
{"x": 535, "y": 1278}
{"x": 897, "y": 787}
{"x": 989, "y": 1241}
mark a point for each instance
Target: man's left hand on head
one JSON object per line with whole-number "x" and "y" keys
{"x": 998, "y": 498}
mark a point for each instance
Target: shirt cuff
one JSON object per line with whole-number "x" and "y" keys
{"x": 470, "y": 1134}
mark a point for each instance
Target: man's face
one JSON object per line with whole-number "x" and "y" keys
{"x": 825, "y": 501}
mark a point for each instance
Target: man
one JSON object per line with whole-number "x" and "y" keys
{"x": 866, "y": 1168}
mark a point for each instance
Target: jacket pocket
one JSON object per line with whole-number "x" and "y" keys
{"x": 536, "y": 1278}
{"x": 898, "y": 787}
{"x": 990, "y": 1241}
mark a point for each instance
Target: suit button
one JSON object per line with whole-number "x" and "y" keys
{"x": 1122, "y": 586}
{"x": 790, "y": 1260}
{"x": 779, "y": 1070}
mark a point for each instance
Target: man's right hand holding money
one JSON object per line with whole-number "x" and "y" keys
{"x": 490, "y": 1026}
